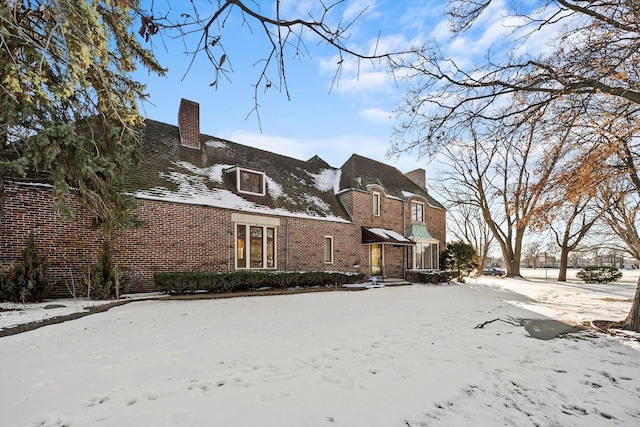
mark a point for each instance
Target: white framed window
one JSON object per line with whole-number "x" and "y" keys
{"x": 417, "y": 212}
{"x": 255, "y": 246}
{"x": 424, "y": 256}
{"x": 250, "y": 182}
{"x": 328, "y": 249}
{"x": 376, "y": 203}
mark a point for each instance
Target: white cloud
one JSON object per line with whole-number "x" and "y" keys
{"x": 335, "y": 150}
{"x": 297, "y": 149}
{"x": 376, "y": 115}
{"x": 365, "y": 77}
{"x": 441, "y": 31}
{"x": 364, "y": 83}
{"x": 498, "y": 30}
{"x": 356, "y": 7}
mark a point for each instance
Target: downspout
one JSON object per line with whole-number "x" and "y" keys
{"x": 231, "y": 260}
{"x": 286, "y": 244}
{"x": 404, "y": 233}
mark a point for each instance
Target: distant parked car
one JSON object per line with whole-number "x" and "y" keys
{"x": 492, "y": 271}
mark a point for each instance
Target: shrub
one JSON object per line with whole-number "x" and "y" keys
{"x": 432, "y": 276}
{"x": 244, "y": 280}
{"x": 593, "y": 274}
{"x": 459, "y": 257}
{"x": 104, "y": 280}
{"x": 27, "y": 281}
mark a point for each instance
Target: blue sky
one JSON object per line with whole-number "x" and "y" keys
{"x": 356, "y": 116}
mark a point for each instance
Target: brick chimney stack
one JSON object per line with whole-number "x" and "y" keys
{"x": 418, "y": 176}
{"x": 189, "y": 123}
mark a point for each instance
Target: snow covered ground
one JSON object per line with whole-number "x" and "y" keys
{"x": 394, "y": 356}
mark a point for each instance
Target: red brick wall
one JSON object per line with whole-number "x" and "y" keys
{"x": 70, "y": 247}
{"x": 182, "y": 237}
{"x": 305, "y": 250}
{"x": 436, "y": 221}
{"x": 391, "y": 211}
{"x": 173, "y": 237}
{"x": 189, "y": 123}
{"x": 360, "y": 205}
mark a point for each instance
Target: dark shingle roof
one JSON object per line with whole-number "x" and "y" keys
{"x": 359, "y": 173}
{"x": 169, "y": 171}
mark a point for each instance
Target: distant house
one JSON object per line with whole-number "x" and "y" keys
{"x": 207, "y": 204}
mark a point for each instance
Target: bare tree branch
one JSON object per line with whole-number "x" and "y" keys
{"x": 283, "y": 36}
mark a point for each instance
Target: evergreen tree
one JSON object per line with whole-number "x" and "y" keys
{"x": 68, "y": 108}
{"x": 104, "y": 280}
{"x": 459, "y": 257}
{"x": 28, "y": 280}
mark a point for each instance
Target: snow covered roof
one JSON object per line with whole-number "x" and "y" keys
{"x": 172, "y": 172}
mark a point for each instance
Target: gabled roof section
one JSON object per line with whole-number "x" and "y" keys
{"x": 360, "y": 173}
{"x": 169, "y": 171}
{"x": 318, "y": 162}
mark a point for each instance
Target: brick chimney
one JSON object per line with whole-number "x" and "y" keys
{"x": 189, "y": 123}
{"x": 419, "y": 177}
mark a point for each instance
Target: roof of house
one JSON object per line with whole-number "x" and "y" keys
{"x": 171, "y": 171}
{"x": 361, "y": 173}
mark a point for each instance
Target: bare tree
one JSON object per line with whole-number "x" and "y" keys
{"x": 603, "y": 63}
{"x": 622, "y": 214}
{"x": 63, "y": 62}
{"x": 284, "y": 33}
{"x": 592, "y": 61}
{"x": 502, "y": 173}
{"x": 531, "y": 252}
{"x": 571, "y": 223}
{"x": 468, "y": 225}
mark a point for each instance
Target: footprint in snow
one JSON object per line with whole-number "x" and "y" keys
{"x": 96, "y": 401}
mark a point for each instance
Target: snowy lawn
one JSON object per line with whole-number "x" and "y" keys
{"x": 401, "y": 356}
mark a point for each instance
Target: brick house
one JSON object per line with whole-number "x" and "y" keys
{"x": 207, "y": 204}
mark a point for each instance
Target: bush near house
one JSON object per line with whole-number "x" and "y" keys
{"x": 242, "y": 281}
{"x": 459, "y": 258}
{"x": 433, "y": 276}
{"x": 594, "y": 274}
{"x": 28, "y": 280}
{"x": 104, "y": 280}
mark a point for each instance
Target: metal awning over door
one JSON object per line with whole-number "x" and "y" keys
{"x": 382, "y": 236}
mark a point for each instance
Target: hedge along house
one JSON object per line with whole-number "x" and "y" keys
{"x": 207, "y": 204}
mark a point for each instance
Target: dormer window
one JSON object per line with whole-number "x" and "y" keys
{"x": 250, "y": 182}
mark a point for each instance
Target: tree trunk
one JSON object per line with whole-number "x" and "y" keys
{"x": 511, "y": 256}
{"x": 564, "y": 261}
{"x": 513, "y": 267}
{"x": 483, "y": 257}
{"x": 632, "y": 322}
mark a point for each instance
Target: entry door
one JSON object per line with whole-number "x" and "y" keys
{"x": 376, "y": 260}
